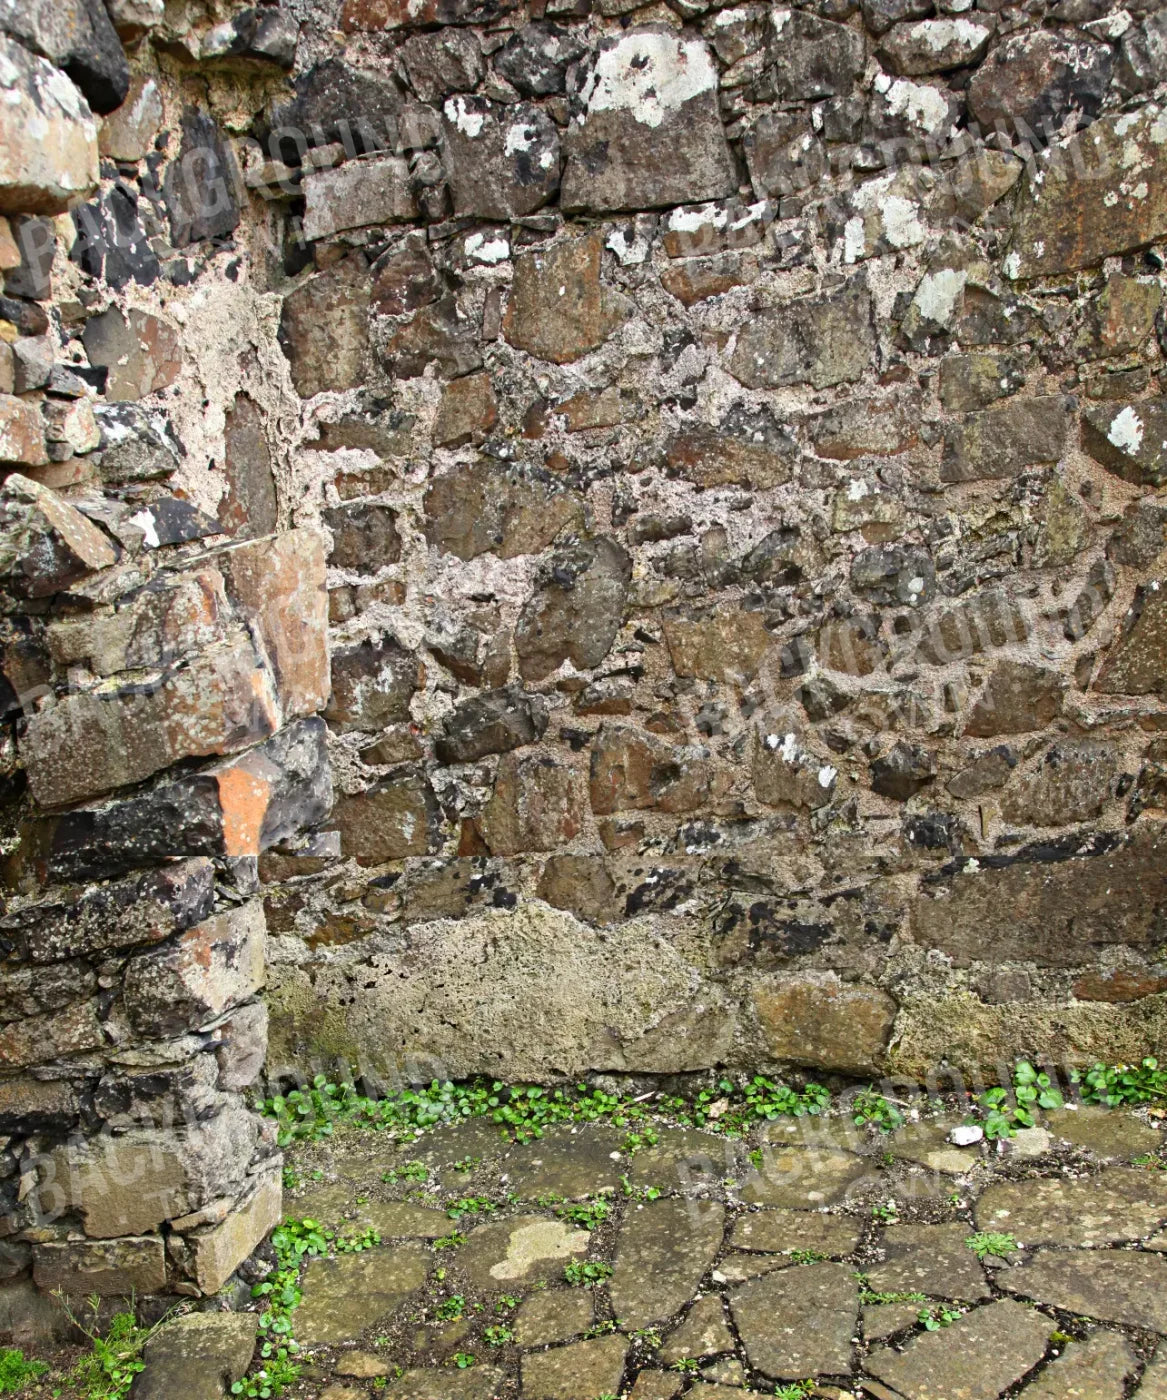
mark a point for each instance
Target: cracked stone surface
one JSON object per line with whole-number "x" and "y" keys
{"x": 696, "y": 1289}
{"x": 1120, "y": 1203}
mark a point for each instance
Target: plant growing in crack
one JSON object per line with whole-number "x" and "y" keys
{"x": 988, "y": 1242}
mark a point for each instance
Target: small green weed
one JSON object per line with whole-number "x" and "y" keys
{"x": 635, "y": 1142}
{"x": 16, "y": 1372}
{"x": 450, "y": 1241}
{"x": 885, "y": 1211}
{"x": 940, "y": 1316}
{"x": 806, "y": 1256}
{"x": 796, "y": 1390}
{"x": 870, "y": 1107}
{"x": 451, "y": 1309}
{"x": 986, "y": 1242}
{"x": 107, "y": 1370}
{"x": 470, "y": 1205}
{"x": 1115, "y": 1085}
{"x": 639, "y": 1193}
{"x": 867, "y": 1297}
{"x": 411, "y": 1171}
{"x": 498, "y": 1335}
{"x": 688, "y": 1365}
{"x": 1007, "y": 1110}
{"x": 587, "y": 1214}
{"x": 586, "y": 1273}
{"x": 464, "y": 1360}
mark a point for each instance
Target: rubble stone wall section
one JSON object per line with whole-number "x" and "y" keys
{"x": 684, "y": 478}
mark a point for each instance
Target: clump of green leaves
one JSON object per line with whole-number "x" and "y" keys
{"x": 870, "y": 1107}
{"x": 451, "y": 1309}
{"x": 939, "y": 1316}
{"x": 450, "y": 1241}
{"x": 985, "y": 1242}
{"x": 586, "y": 1273}
{"x": 1115, "y": 1085}
{"x": 464, "y": 1360}
{"x": 796, "y": 1390}
{"x": 411, "y": 1171}
{"x": 1006, "y": 1110}
{"x": 806, "y": 1256}
{"x": 688, "y": 1365}
{"x": 586, "y": 1214}
{"x": 497, "y": 1335}
{"x": 635, "y": 1142}
{"x": 470, "y": 1205}
{"x": 886, "y": 1211}
{"x": 16, "y": 1372}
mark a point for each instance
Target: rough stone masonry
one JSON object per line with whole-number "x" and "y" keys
{"x": 562, "y": 536}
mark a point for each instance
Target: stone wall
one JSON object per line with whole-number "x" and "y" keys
{"x": 718, "y": 447}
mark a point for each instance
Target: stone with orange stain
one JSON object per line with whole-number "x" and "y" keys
{"x": 278, "y": 583}
{"x": 92, "y": 742}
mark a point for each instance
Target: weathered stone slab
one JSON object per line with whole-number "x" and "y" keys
{"x": 583, "y": 1368}
{"x": 236, "y": 808}
{"x": 1110, "y": 1285}
{"x": 663, "y": 1249}
{"x": 143, "y": 353}
{"x": 554, "y": 1316}
{"x": 935, "y": 45}
{"x": 356, "y": 194}
{"x": 1118, "y": 1204}
{"x": 575, "y": 609}
{"x": 558, "y": 308}
{"x": 821, "y": 341}
{"x": 278, "y": 584}
{"x": 932, "y": 1259}
{"x": 1094, "y": 1369}
{"x": 1107, "y": 1132}
{"x": 502, "y": 161}
{"x": 48, "y": 138}
{"x": 1001, "y": 442}
{"x": 45, "y": 543}
{"x": 89, "y": 743}
{"x": 109, "y": 1268}
{"x": 799, "y": 1322}
{"x": 1137, "y": 665}
{"x": 199, "y": 1356}
{"x": 219, "y": 1250}
{"x": 1057, "y": 913}
{"x": 423, "y": 1383}
{"x": 650, "y": 134}
{"x": 130, "y": 1184}
{"x": 1104, "y": 192}
{"x": 22, "y": 426}
{"x": 802, "y": 1178}
{"x": 324, "y": 328}
{"x": 783, "y": 1231}
{"x": 343, "y": 1296}
{"x": 813, "y": 1018}
{"x": 1040, "y": 78}
{"x": 703, "y": 1332}
{"x": 975, "y": 1358}
{"x": 572, "y": 1163}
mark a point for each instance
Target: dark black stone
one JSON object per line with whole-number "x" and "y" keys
{"x": 200, "y": 184}
{"x": 536, "y": 58}
{"x": 138, "y": 444}
{"x": 336, "y": 102}
{"x": 495, "y": 722}
{"x": 111, "y": 242}
{"x": 903, "y": 771}
{"x": 175, "y": 521}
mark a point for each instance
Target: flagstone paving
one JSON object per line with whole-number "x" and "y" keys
{"x": 574, "y": 1267}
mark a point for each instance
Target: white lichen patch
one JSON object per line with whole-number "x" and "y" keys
{"x": 650, "y": 76}
{"x": 1126, "y": 430}
{"x": 458, "y": 114}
